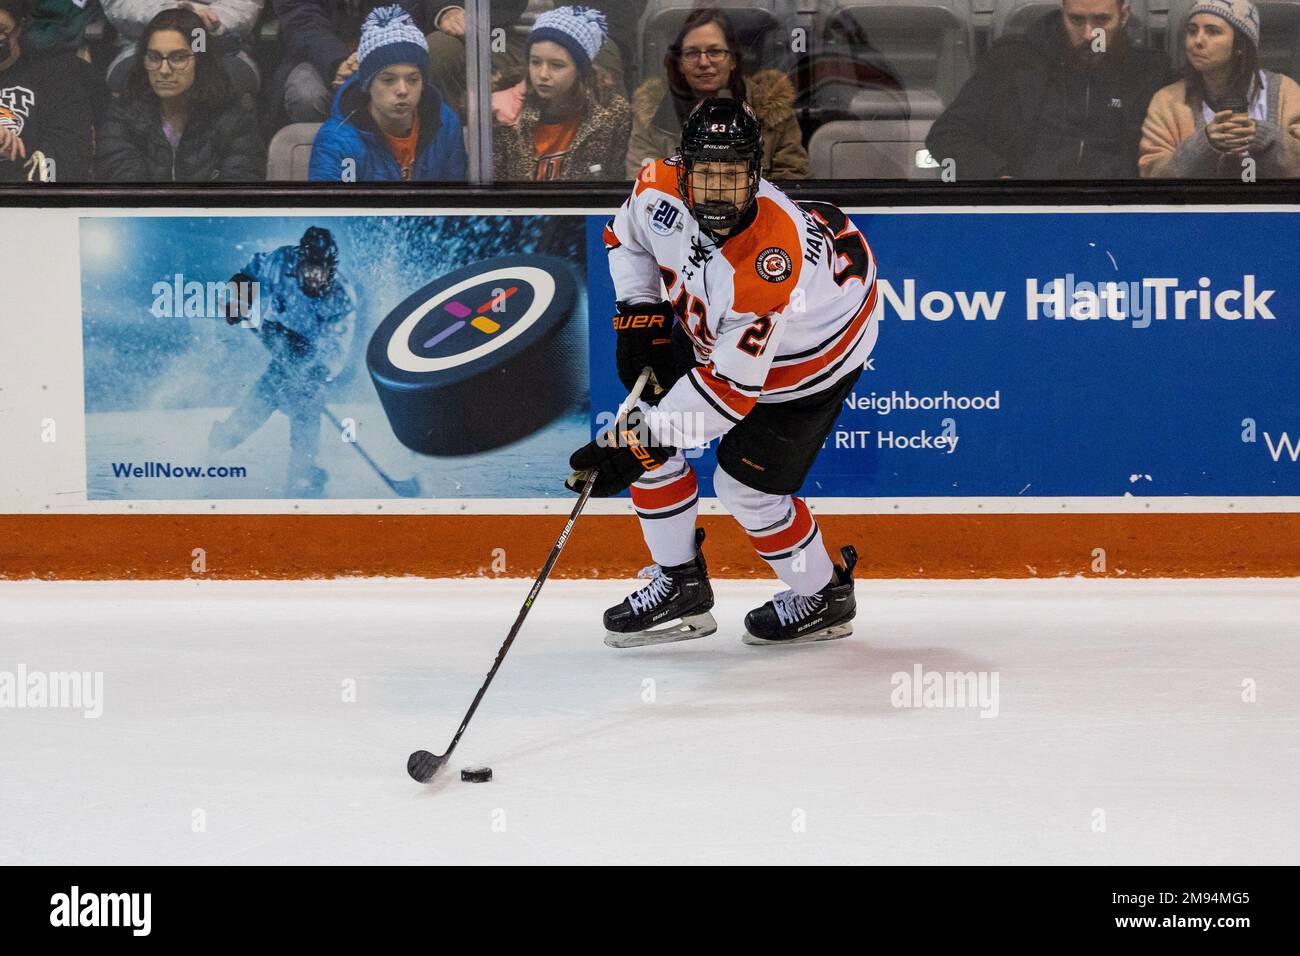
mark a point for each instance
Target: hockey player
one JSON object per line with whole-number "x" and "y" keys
{"x": 305, "y": 315}
{"x": 771, "y": 314}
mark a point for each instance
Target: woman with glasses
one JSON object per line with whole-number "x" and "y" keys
{"x": 178, "y": 121}
{"x": 706, "y": 60}
{"x": 1226, "y": 118}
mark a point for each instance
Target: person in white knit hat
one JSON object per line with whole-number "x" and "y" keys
{"x": 388, "y": 121}
{"x": 1226, "y": 118}
{"x": 567, "y": 120}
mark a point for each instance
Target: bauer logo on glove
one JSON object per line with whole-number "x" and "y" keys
{"x": 619, "y": 457}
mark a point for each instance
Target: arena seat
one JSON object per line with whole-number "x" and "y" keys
{"x": 928, "y": 45}
{"x": 289, "y": 156}
{"x": 872, "y": 149}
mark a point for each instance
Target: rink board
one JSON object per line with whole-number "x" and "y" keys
{"x": 1160, "y": 379}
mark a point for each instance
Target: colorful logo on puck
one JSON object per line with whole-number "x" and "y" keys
{"x": 773, "y": 264}
{"x": 478, "y": 357}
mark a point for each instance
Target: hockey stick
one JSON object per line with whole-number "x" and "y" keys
{"x": 422, "y": 765}
{"x": 404, "y": 487}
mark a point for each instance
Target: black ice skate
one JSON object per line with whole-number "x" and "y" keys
{"x": 791, "y": 618}
{"x": 674, "y": 606}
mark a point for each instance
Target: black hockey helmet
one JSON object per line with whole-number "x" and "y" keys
{"x": 318, "y": 261}
{"x": 720, "y": 130}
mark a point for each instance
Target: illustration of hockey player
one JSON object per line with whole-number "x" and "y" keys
{"x": 304, "y": 312}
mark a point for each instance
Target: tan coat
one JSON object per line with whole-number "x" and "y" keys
{"x": 656, "y": 129}
{"x": 1174, "y": 144}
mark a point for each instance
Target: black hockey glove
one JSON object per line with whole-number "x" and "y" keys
{"x": 645, "y": 338}
{"x": 621, "y": 456}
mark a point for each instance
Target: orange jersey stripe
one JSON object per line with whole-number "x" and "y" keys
{"x": 739, "y": 402}
{"x": 785, "y": 540}
{"x": 674, "y": 492}
{"x": 783, "y": 376}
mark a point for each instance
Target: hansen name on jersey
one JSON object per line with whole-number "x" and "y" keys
{"x": 780, "y": 309}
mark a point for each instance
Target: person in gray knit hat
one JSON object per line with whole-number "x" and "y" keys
{"x": 388, "y": 122}
{"x": 568, "y": 119}
{"x": 1226, "y": 118}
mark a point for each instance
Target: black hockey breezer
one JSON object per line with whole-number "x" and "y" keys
{"x": 791, "y": 618}
{"x": 674, "y": 606}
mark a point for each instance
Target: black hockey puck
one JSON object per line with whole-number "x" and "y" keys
{"x": 481, "y": 357}
{"x": 476, "y": 774}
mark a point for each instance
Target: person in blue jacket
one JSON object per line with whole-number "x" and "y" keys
{"x": 388, "y": 123}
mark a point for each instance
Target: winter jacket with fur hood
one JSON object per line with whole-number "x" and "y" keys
{"x": 1174, "y": 144}
{"x": 597, "y": 151}
{"x": 657, "y": 129}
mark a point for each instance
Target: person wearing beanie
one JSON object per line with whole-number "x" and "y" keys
{"x": 567, "y": 120}
{"x": 388, "y": 123}
{"x": 1226, "y": 118}
{"x": 509, "y": 57}
{"x": 318, "y": 52}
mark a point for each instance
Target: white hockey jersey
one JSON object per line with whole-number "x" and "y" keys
{"x": 784, "y": 308}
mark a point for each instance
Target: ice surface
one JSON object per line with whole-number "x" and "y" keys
{"x": 1121, "y": 733}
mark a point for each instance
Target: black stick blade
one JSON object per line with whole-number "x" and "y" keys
{"x": 422, "y": 765}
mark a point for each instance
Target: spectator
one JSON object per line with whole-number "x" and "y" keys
{"x": 226, "y": 27}
{"x": 389, "y": 123}
{"x": 706, "y": 60}
{"x": 319, "y": 43}
{"x": 509, "y": 66}
{"x": 178, "y": 121}
{"x": 46, "y": 103}
{"x": 1064, "y": 101}
{"x": 58, "y": 25}
{"x": 566, "y": 121}
{"x": 1225, "y": 108}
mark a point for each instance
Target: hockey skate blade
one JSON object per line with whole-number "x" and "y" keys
{"x": 688, "y": 629}
{"x": 843, "y": 629}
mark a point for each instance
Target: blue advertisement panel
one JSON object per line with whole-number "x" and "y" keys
{"x": 333, "y": 356}
{"x": 1091, "y": 354}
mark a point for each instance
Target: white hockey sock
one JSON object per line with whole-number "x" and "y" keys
{"x": 666, "y": 501}
{"x": 782, "y": 531}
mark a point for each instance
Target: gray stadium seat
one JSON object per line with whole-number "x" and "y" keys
{"x": 929, "y": 44}
{"x": 289, "y": 156}
{"x": 1279, "y": 34}
{"x": 1015, "y": 16}
{"x": 877, "y": 149}
{"x": 763, "y": 26}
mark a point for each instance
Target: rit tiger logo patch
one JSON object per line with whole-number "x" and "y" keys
{"x": 773, "y": 264}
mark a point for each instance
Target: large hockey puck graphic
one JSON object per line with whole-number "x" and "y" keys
{"x": 479, "y": 358}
